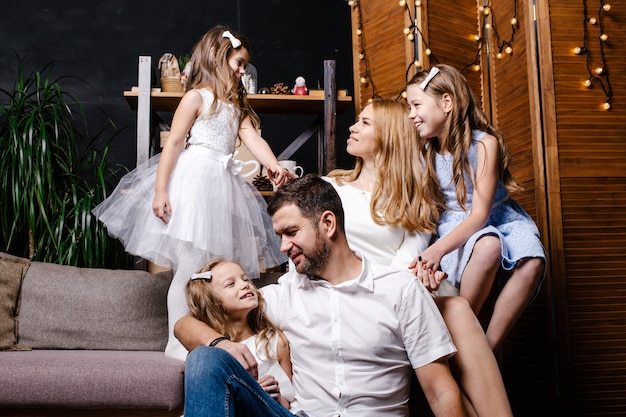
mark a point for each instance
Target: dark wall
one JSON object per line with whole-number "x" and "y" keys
{"x": 99, "y": 42}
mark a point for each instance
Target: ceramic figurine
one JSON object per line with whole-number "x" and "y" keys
{"x": 300, "y": 88}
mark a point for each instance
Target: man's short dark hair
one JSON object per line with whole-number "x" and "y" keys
{"x": 312, "y": 195}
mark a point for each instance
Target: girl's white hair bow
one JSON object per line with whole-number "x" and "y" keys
{"x": 234, "y": 41}
{"x": 202, "y": 275}
{"x": 431, "y": 74}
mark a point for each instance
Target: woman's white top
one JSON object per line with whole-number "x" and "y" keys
{"x": 384, "y": 244}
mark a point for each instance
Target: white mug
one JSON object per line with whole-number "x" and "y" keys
{"x": 246, "y": 171}
{"x": 291, "y": 166}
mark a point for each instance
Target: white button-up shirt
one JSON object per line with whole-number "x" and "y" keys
{"x": 353, "y": 345}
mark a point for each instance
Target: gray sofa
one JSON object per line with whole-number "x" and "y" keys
{"x": 85, "y": 342}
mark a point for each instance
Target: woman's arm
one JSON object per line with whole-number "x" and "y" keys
{"x": 486, "y": 177}
{"x": 186, "y": 113}
{"x": 440, "y": 389}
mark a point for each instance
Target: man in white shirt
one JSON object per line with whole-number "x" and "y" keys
{"x": 355, "y": 328}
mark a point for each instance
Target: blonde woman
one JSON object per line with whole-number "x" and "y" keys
{"x": 390, "y": 217}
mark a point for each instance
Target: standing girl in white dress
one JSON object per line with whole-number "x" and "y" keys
{"x": 188, "y": 205}
{"x": 222, "y": 296}
{"x": 481, "y": 229}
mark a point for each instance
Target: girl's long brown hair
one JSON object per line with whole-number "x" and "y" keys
{"x": 466, "y": 115}
{"x": 210, "y": 70}
{"x": 207, "y": 307}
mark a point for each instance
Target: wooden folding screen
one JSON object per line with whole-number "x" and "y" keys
{"x": 568, "y": 350}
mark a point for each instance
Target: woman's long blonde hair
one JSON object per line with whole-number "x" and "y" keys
{"x": 207, "y": 307}
{"x": 402, "y": 194}
{"x": 465, "y": 116}
{"x": 210, "y": 70}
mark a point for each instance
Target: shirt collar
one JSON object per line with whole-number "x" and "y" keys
{"x": 364, "y": 280}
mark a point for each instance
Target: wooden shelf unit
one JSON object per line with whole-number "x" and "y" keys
{"x": 146, "y": 100}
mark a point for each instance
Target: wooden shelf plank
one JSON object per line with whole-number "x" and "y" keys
{"x": 261, "y": 103}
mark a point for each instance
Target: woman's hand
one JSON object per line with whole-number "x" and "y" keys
{"x": 431, "y": 279}
{"x": 161, "y": 206}
{"x": 430, "y": 258}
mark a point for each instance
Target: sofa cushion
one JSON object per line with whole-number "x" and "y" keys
{"x": 12, "y": 271}
{"x": 91, "y": 379}
{"x": 65, "y": 307}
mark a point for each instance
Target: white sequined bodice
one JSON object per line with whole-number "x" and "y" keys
{"x": 217, "y": 131}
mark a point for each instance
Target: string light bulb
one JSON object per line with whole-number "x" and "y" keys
{"x": 410, "y": 36}
{"x": 508, "y": 50}
{"x": 352, "y": 3}
{"x": 406, "y": 31}
{"x": 428, "y": 51}
{"x": 363, "y": 79}
{"x": 513, "y": 21}
{"x": 476, "y": 67}
{"x": 402, "y": 3}
{"x": 499, "y": 55}
{"x": 359, "y": 32}
{"x": 598, "y": 75}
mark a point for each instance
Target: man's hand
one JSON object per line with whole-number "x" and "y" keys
{"x": 243, "y": 355}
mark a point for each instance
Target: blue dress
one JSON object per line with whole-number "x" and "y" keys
{"x": 215, "y": 212}
{"x": 517, "y": 231}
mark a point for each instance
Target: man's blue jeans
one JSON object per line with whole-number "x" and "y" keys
{"x": 217, "y": 385}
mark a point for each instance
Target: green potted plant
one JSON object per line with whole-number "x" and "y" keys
{"x": 51, "y": 177}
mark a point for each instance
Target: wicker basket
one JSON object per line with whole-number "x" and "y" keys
{"x": 171, "y": 85}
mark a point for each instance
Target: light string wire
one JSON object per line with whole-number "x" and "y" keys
{"x": 413, "y": 32}
{"x": 600, "y": 75}
{"x": 487, "y": 24}
{"x": 367, "y": 76}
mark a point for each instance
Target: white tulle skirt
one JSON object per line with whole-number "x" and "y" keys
{"x": 215, "y": 214}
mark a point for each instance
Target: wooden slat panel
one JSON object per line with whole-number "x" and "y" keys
{"x": 384, "y": 42}
{"x": 576, "y": 175}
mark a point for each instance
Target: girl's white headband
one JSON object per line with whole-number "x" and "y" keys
{"x": 234, "y": 41}
{"x": 433, "y": 71}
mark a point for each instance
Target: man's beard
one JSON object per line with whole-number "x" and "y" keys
{"x": 313, "y": 262}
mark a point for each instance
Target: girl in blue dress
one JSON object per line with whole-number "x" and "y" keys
{"x": 188, "y": 205}
{"x": 481, "y": 230}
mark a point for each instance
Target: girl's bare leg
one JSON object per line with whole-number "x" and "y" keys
{"x": 480, "y": 272}
{"x": 474, "y": 366}
{"x": 513, "y": 299}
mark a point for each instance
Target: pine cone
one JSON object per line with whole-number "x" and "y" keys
{"x": 262, "y": 183}
{"x": 280, "y": 88}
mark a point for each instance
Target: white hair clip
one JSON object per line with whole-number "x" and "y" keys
{"x": 234, "y": 41}
{"x": 202, "y": 275}
{"x": 433, "y": 71}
